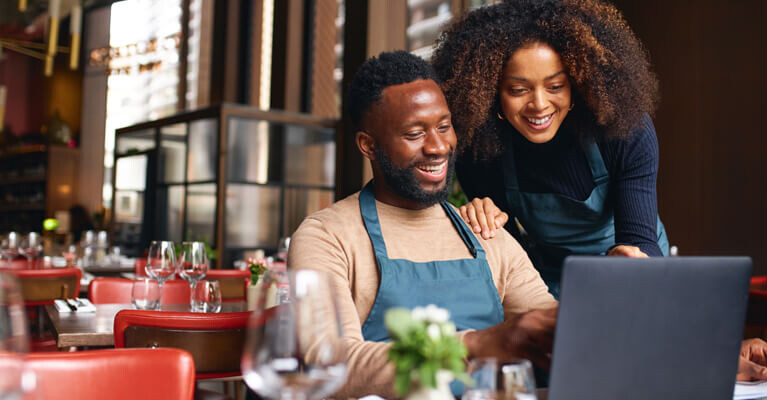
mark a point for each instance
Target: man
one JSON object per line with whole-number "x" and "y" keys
{"x": 397, "y": 243}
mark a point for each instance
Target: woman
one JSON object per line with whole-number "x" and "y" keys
{"x": 551, "y": 103}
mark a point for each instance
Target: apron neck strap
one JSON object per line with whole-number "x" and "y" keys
{"x": 596, "y": 162}
{"x": 463, "y": 230}
{"x": 370, "y": 217}
{"x": 373, "y": 226}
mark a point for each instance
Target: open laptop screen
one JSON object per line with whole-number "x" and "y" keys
{"x": 653, "y": 328}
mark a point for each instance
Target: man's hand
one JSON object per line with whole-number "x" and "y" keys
{"x": 529, "y": 335}
{"x": 483, "y": 216}
{"x": 627, "y": 251}
{"x": 753, "y": 360}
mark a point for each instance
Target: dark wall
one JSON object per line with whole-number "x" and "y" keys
{"x": 711, "y": 60}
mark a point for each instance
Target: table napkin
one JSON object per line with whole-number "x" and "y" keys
{"x": 83, "y": 306}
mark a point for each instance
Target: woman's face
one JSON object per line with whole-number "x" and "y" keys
{"x": 535, "y": 92}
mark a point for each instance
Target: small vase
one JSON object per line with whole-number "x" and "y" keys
{"x": 252, "y": 295}
{"x": 441, "y": 392}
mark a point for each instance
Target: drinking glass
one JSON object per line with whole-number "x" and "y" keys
{"x": 145, "y": 294}
{"x": 161, "y": 261}
{"x": 510, "y": 381}
{"x": 294, "y": 350}
{"x": 518, "y": 380}
{"x": 484, "y": 373}
{"x": 10, "y": 246}
{"x": 282, "y": 248}
{"x": 206, "y": 297}
{"x": 31, "y": 247}
{"x": 14, "y": 339}
{"x": 193, "y": 262}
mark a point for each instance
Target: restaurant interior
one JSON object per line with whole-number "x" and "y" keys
{"x": 203, "y": 132}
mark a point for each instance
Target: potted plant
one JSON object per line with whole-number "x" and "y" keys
{"x": 257, "y": 269}
{"x": 426, "y": 354}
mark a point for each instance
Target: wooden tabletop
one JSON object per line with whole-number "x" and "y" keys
{"x": 95, "y": 329}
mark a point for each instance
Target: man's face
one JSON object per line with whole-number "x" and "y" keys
{"x": 414, "y": 144}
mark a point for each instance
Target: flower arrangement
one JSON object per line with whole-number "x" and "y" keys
{"x": 423, "y": 344}
{"x": 257, "y": 268}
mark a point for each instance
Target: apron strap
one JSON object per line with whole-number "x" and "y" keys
{"x": 596, "y": 163}
{"x": 466, "y": 234}
{"x": 373, "y": 226}
{"x": 370, "y": 217}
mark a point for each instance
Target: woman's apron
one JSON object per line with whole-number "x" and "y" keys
{"x": 558, "y": 226}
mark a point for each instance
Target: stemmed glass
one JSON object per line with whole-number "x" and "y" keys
{"x": 14, "y": 339}
{"x": 10, "y": 246}
{"x": 31, "y": 247}
{"x": 282, "y": 248}
{"x": 161, "y": 261}
{"x": 193, "y": 263}
{"x": 294, "y": 350}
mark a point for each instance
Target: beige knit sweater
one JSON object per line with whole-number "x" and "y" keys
{"x": 335, "y": 240}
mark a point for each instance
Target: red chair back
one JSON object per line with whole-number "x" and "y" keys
{"x": 118, "y": 374}
{"x": 18, "y": 263}
{"x": 118, "y": 291}
{"x": 233, "y": 283}
{"x": 139, "y": 267}
{"x": 42, "y": 286}
{"x": 214, "y": 340}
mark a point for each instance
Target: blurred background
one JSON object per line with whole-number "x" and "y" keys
{"x": 221, "y": 120}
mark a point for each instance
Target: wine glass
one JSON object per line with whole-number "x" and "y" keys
{"x": 14, "y": 339}
{"x": 282, "y": 248}
{"x": 193, "y": 263}
{"x": 161, "y": 261}
{"x": 294, "y": 350}
{"x": 518, "y": 380}
{"x": 10, "y": 246}
{"x": 31, "y": 247}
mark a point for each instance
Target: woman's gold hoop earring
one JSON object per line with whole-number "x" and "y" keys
{"x": 571, "y": 106}
{"x": 499, "y": 116}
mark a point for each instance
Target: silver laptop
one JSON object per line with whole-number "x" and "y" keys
{"x": 657, "y": 328}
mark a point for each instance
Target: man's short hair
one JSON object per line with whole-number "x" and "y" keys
{"x": 378, "y": 73}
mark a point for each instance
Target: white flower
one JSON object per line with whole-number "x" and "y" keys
{"x": 419, "y": 314}
{"x": 433, "y": 331}
{"x": 448, "y": 329}
{"x": 436, "y": 314}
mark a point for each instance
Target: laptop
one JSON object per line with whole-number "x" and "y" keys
{"x": 652, "y": 328}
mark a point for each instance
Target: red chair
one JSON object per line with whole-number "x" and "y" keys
{"x": 118, "y": 291}
{"x": 139, "y": 267}
{"x": 16, "y": 263}
{"x": 756, "y": 316}
{"x": 233, "y": 283}
{"x": 42, "y": 286}
{"x": 214, "y": 340}
{"x": 117, "y": 374}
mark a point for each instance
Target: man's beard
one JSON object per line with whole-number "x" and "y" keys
{"x": 404, "y": 183}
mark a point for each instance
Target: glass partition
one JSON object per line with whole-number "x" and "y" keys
{"x": 274, "y": 169}
{"x": 173, "y": 153}
{"x": 135, "y": 142}
{"x": 203, "y": 149}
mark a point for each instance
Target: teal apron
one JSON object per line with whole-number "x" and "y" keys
{"x": 464, "y": 287}
{"x": 558, "y": 226}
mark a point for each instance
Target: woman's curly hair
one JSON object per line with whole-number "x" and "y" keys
{"x": 608, "y": 67}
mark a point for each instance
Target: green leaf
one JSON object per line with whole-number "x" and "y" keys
{"x": 427, "y": 373}
{"x": 402, "y": 383}
{"x": 399, "y": 322}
